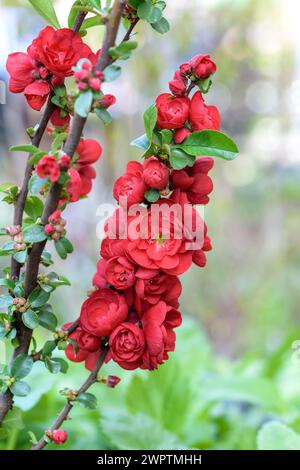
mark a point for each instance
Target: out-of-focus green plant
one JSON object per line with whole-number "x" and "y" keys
{"x": 198, "y": 400}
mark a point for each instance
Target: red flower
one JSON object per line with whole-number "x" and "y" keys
{"x": 112, "y": 247}
{"x": 120, "y": 272}
{"x": 74, "y": 186}
{"x": 194, "y": 181}
{"x": 172, "y": 112}
{"x": 131, "y": 185}
{"x": 22, "y": 70}
{"x": 102, "y": 312}
{"x": 158, "y": 325}
{"x": 202, "y": 66}
{"x": 159, "y": 242}
{"x": 127, "y": 345}
{"x": 59, "y": 436}
{"x": 153, "y": 285}
{"x": 180, "y": 135}
{"x": 36, "y": 94}
{"x": 88, "y": 151}
{"x": 203, "y": 116}
{"x": 48, "y": 166}
{"x": 155, "y": 173}
{"x": 178, "y": 84}
{"x": 87, "y": 175}
{"x": 59, "y": 118}
{"x": 59, "y": 50}
{"x": 199, "y": 257}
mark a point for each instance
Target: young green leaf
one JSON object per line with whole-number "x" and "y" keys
{"x": 87, "y": 400}
{"x": 141, "y": 142}
{"x": 34, "y": 207}
{"x": 6, "y": 301}
{"x": 34, "y": 234}
{"x": 123, "y": 50}
{"x": 112, "y": 72}
{"x": 24, "y": 148}
{"x": 210, "y": 143}
{"x": 46, "y": 10}
{"x": 149, "y": 12}
{"x": 59, "y": 139}
{"x": 83, "y": 103}
{"x": 36, "y": 183}
{"x": 104, "y": 115}
{"x": 20, "y": 388}
{"x": 49, "y": 346}
{"x": 21, "y": 366}
{"x": 150, "y": 118}
{"x": 162, "y": 26}
{"x": 152, "y": 195}
{"x": 38, "y": 297}
{"x": 20, "y": 256}
{"x": 30, "y": 319}
{"x": 179, "y": 159}
{"x": 48, "y": 320}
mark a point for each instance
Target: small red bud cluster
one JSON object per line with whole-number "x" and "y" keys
{"x": 21, "y": 304}
{"x": 112, "y": 381}
{"x": 15, "y": 231}
{"x": 87, "y": 78}
{"x": 55, "y": 229}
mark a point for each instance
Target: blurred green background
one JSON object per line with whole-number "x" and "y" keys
{"x": 234, "y": 380}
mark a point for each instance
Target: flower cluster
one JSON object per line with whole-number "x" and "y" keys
{"x": 152, "y": 238}
{"x": 49, "y": 60}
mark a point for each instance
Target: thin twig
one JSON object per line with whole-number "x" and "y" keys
{"x": 92, "y": 378}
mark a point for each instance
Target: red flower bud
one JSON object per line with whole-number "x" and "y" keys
{"x": 112, "y": 381}
{"x": 107, "y": 101}
{"x": 180, "y": 135}
{"x": 82, "y": 86}
{"x": 59, "y": 436}
{"x": 49, "y": 229}
{"x": 65, "y": 161}
{"x": 95, "y": 84}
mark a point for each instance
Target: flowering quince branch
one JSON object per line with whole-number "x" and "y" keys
{"x": 38, "y": 74}
{"x": 152, "y": 238}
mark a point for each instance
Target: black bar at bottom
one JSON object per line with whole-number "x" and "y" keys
{"x": 134, "y": 459}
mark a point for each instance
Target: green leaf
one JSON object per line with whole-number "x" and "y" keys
{"x": 210, "y": 143}
{"x": 277, "y": 436}
{"x": 8, "y": 187}
{"x": 123, "y": 50}
{"x": 20, "y": 389}
{"x": 34, "y": 207}
{"x": 6, "y": 282}
{"x": 52, "y": 365}
{"x": 36, "y": 157}
{"x": 38, "y": 298}
{"x": 149, "y": 12}
{"x": 56, "y": 280}
{"x": 150, "y": 118}
{"x": 48, "y": 320}
{"x": 24, "y": 148}
{"x": 83, "y": 103}
{"x": 34, "y": 234}
{"x": 73, "y": 14}
{"x": 6, "y": 300}
{"x": 87, "y": 400}
{"x": 162, "y": 26}
{"x": 20, "y": 256}
{"x": 49, "y": 346}
{"x": 166, "y": 136}
{"x": 104, "y": 115}
{"x": 60, "y": 248}
{"x": 67, "y": 245}
{"x": 36, "y": 183}
{"x": 179, "y": 159}
{"x": 63, "y": 365}
{"x": 46, "y": 10}
{"x": 112, "y": 72}
{"x": 21, "y": 366}
{"x": 152, "y": 195}
{"x": 141, "y": 142}
{"x": 30, "y": 319}
{"x": 58, "y": 141}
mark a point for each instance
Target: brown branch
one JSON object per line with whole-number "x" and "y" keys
{"x": 24, "y": 334}
{"x": 63, "y": 415}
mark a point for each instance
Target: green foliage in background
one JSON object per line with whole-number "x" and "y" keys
{"x": 198, "y": 400}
